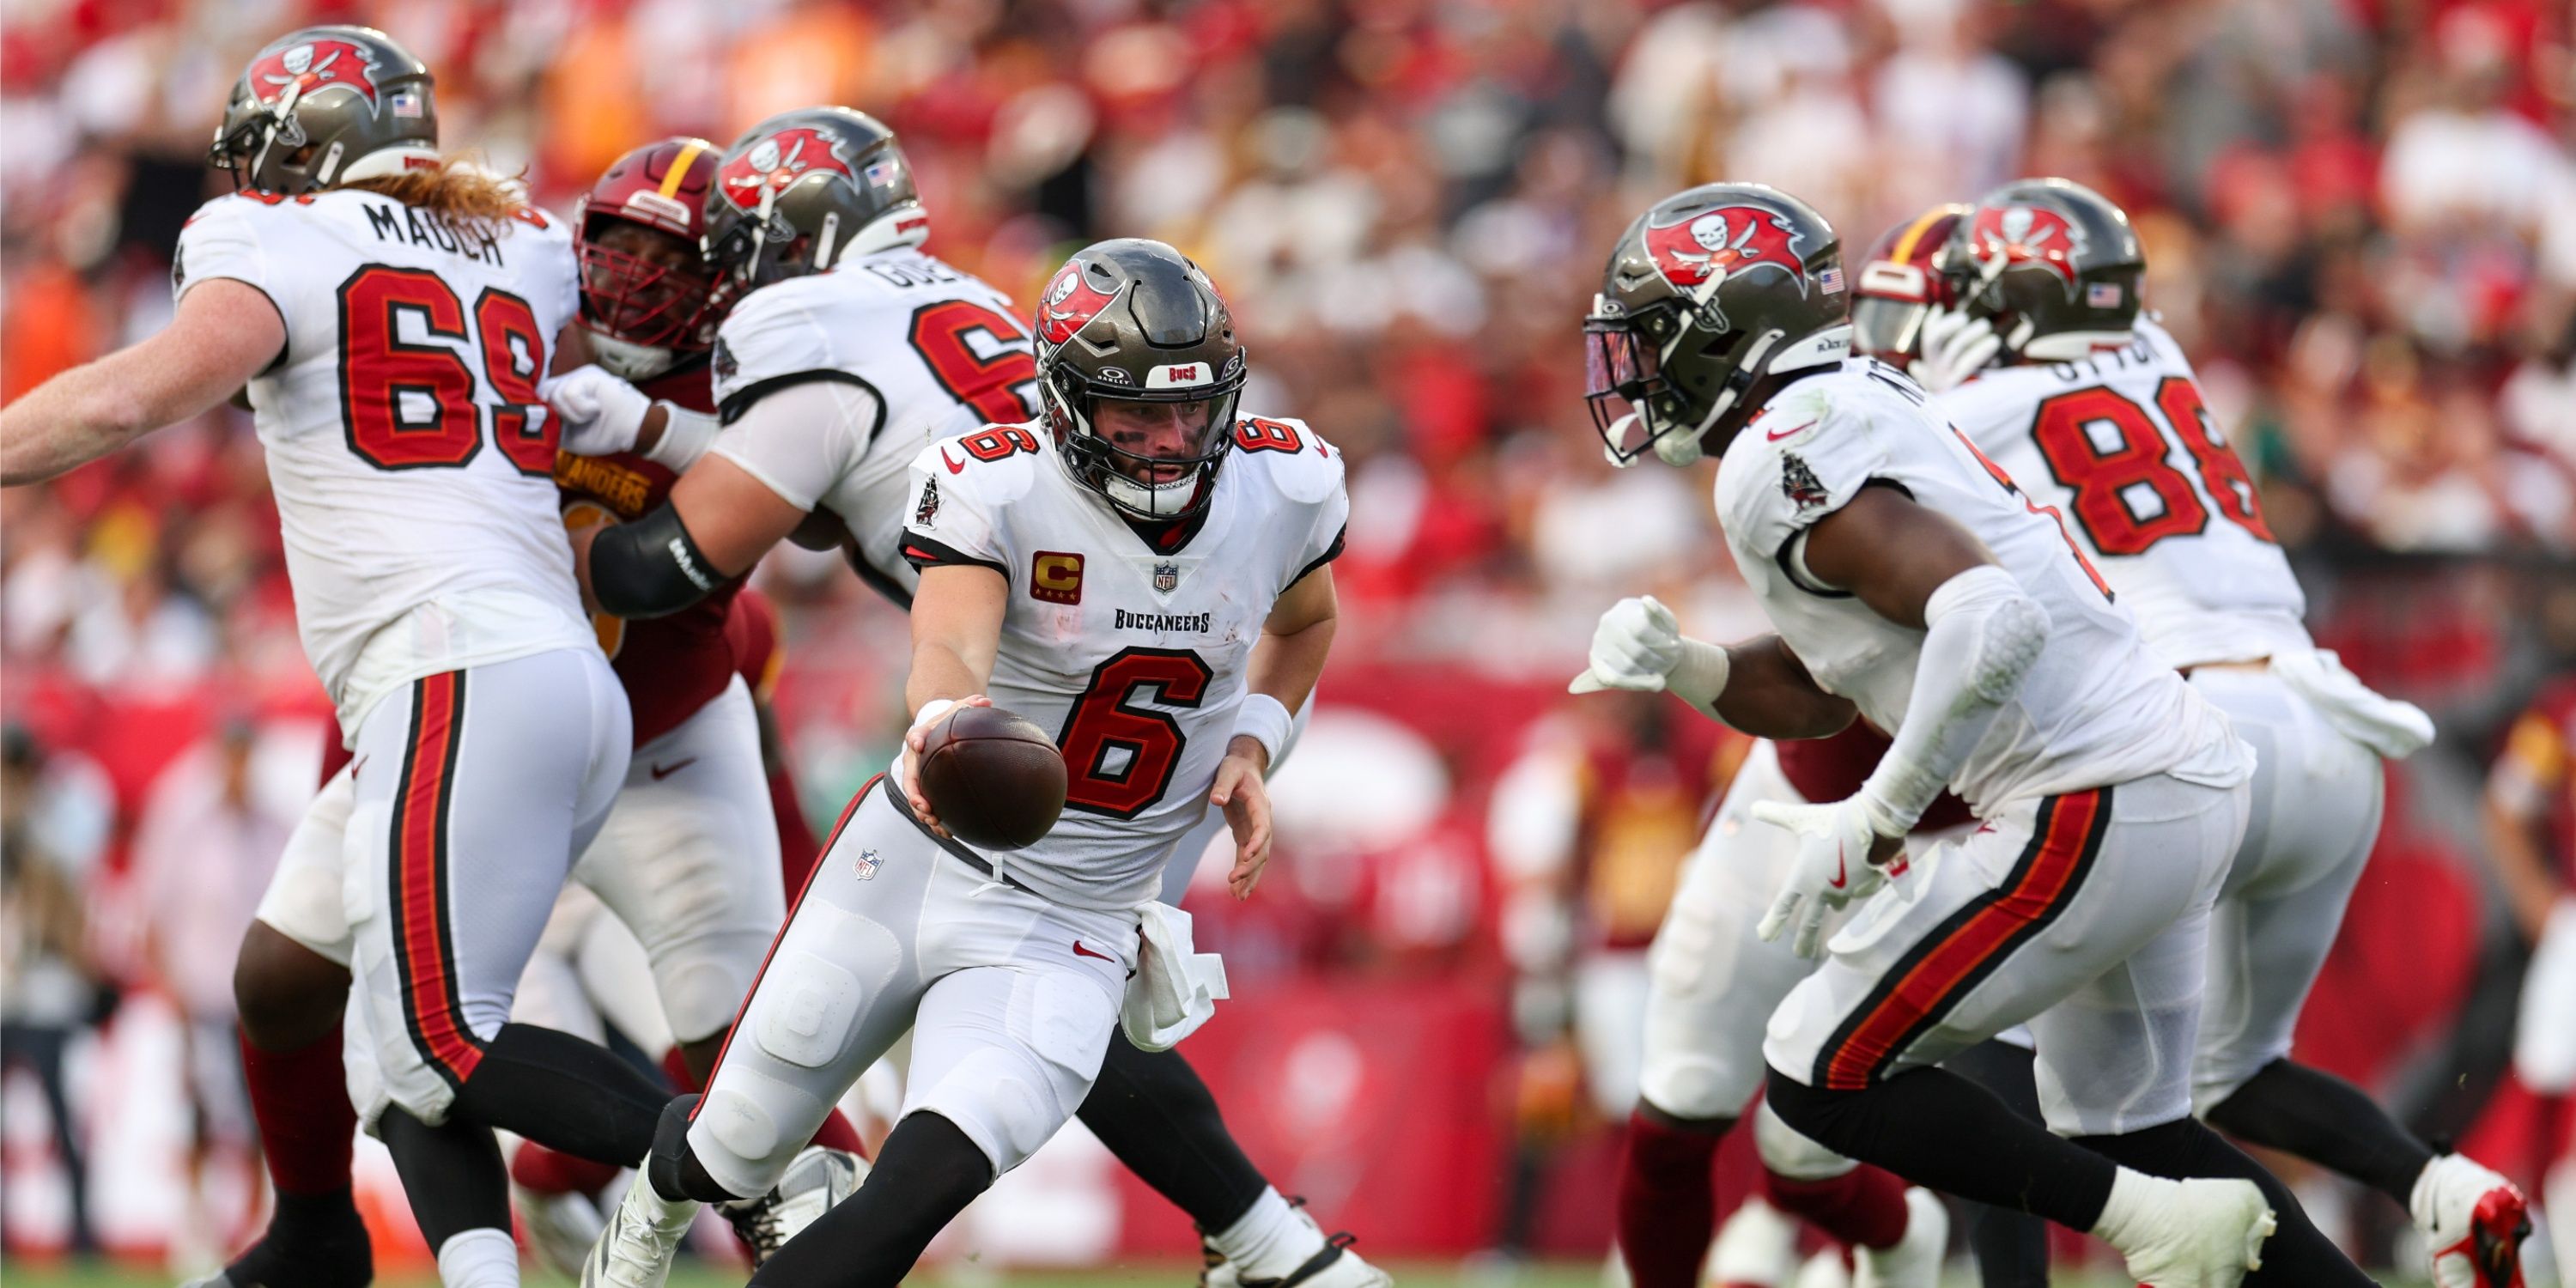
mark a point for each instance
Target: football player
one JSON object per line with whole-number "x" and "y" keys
{"x": 1140, "y": 568}
{"x": 688, "y": 858}
{"x": 389, "y": 314}
{"x": 2043, "y": 356}
{"x": 849, "y": 352}
{"x": 1913, "y": 585}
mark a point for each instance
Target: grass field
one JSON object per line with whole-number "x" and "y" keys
{"x": 1172, "y": 1275}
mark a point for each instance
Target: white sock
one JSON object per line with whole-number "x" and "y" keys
{"x": 484, "y": 1258}
{"x": 1269, "y": 1241}
{"x": 2135, "y": 1198}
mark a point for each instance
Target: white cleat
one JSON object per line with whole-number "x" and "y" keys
{"x": 560, "y": 1228}
{"x": 2203, "y": 1233}
{"x": 1823, "y": 1270}
{"x": 1756, "y": 1248}
{"x": 1336, "y": 1266}
{"x": 815, "y": 1181}
{"x": 2474, "y": 1221}
{"x": 1915, "y": 1261}
{"x": 641, "y": 1238}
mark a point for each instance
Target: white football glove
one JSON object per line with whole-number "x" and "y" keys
{"x": 1955, "y": 347}
{"x": 601, "y": 413}
{"x": 1832, "y": 868}
{"x": 1635, "y": 647}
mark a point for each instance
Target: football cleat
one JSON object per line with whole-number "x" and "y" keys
{"x": 325, "y": 1251}
{"x": 2474, "y": 1221}
{"x": 1915, "y": 1261}
{"x": 2206, "y": 1234}
{"x": 1756, "y": 1248}
{"x": 559, "y": 1228}
{"x": 815, "y": 1180}
{"x": 1335, "y": 1266}
{"x": 641, "y": 1237}
{"x": 1823, "y": 1270}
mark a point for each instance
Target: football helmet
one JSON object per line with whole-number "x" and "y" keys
{"x": 321, "y": 106}
{"x": 645, "y": 310}
{"x": 804, "y": 190}
{"x": 1134, "y": 321}
{"x": 2053, "y": 264}
{"x": 1707, "y": 295}
{"x": 1901, "y": 282}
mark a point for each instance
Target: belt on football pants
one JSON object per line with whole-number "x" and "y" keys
{"x": 954, "y": 847}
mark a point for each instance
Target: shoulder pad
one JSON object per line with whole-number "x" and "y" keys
{"x": 783, "y": 329}
{"x": 1808, "y": 451}
{"x": 1296, "y": 460}
{"x": 995, "y": 465}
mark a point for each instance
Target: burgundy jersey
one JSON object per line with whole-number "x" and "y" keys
{"x": 1830, "y": 769}
{"x": 671, "y": 666}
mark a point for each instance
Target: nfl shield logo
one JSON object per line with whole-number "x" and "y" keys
{"x": 1166, "y": 577}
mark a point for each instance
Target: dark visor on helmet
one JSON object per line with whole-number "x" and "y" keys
{"x": 1623, "y": 376}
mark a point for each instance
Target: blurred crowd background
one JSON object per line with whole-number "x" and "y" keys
{"x": 2360, "y": 217}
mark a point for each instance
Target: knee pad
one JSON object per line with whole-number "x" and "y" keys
{"x": 1002, "y": 1100}
{"x": 1788, "y": 1152}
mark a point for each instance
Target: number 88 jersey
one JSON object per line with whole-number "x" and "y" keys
{"x": 2123, "y": 448}
{"x": 1128, "y": 643}
{"x": 410, "y": 455}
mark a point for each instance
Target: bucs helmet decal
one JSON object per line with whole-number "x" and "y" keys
{"x": 1070, "y": 303}
{"x": 779, "y": 160}
{"x": 300, "y": 70}
{"x": 1696, "y": 254}
{"x": 2027, "y": 234}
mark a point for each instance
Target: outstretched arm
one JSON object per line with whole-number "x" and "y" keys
{"x": 224, "y": 333}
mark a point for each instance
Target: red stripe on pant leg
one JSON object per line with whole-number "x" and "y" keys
{"x": 763, "y": 973}
{"x": 420, "y": 935}
{"x": 1927, "y": 987}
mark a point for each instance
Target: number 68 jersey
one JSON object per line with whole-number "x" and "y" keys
{"x": 411, "y": 457}
{"x": 1130, "y": 649}
{"x": 2122, "y": 447}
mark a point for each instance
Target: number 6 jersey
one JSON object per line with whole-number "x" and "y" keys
{"x": 2121, "y": 446}
{"x": 1131, "y": 651}
{"x": 410, "y": 455}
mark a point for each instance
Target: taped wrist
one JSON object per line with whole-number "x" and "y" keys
{"x": 1981, "y": 634}
{"x": 650, "y": 568}
{"x": 1700, "y": 675}
{"x": 686, "y": 435}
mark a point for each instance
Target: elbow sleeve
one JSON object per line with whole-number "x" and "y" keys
{"x": 1982, "y": 635}
{"x": 650, "y": 568}
{"x": 2000, "y": 626}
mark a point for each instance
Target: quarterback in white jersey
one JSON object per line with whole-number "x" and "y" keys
{"x": 388, "y": 315}
{"x": 1911, "y": 583}
{"x": 2093, "y": 409}
{"x": 1069, "y": 569}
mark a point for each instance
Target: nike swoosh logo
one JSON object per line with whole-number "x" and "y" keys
{"x": 954, "y": 465}
{"x": 1081, "y": 949}
{"x": 661, "y": 772}
{"x": 1778, "y": 434}
{"x": 1840, "y": 870}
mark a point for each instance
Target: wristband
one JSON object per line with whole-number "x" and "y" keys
{"x": 1265, "y": 720}
{"x": 931, "y": 711}
{"x": 686, "y": 436}
{"x": 1700, "y": 675}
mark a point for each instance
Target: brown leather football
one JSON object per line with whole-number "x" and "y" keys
{"x": 995, "y": 780}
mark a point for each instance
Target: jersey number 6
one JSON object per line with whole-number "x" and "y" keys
{"x": 408, "y": 406}
{"x": 1119, "y": 759}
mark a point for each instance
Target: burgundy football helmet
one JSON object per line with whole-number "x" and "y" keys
{"x": 1901, "y": 282}
{"x": 649, "y": 301}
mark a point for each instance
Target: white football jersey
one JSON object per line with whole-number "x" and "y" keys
{"x": 2094, "y": 709}
{"x": 930, "y": 351}
{"x": 2122, "y": 447}
{"x": 411, "y": 457}
{"x": 1133, "y": 657}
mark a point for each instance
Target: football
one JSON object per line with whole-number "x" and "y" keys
{"x": 994, "y": 779}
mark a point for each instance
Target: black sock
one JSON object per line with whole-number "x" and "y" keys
{"x": 1153, "y": 1112}
{"x": 2011, "y": 1247}
{"x": 673, "y": 1168}
{"x": 2327, "y": 1121}
{"x": 2297, "y": 1253}
{"x": 926, "y": 1174}
{"x": 452, "y": 1173}
{"x": 1943, "y": 1132}
{"x": 565, "y": 1094}
{"x": 313, "y": 1241}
